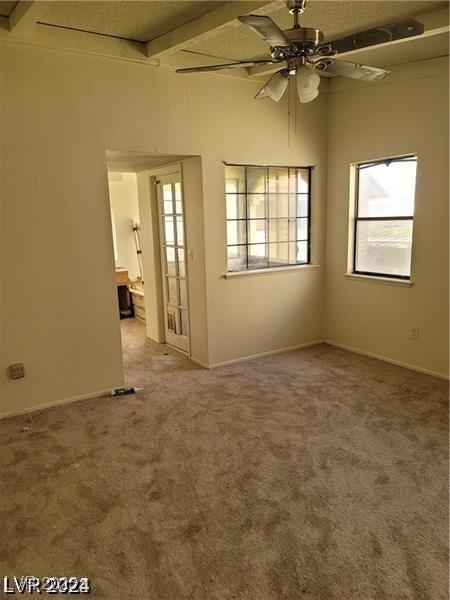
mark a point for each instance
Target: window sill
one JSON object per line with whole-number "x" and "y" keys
{"x": 250, "y": 272}
{"x": 382, "y": 280}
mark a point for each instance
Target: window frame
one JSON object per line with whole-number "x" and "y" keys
{"x": 247, "y": 220}
{"x": 357, "y": 219}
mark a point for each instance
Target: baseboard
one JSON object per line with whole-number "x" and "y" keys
{"x": 262, "y": 354}
{"x": 386, "y": 359}
{"x": 107, "y": 392}
{"x": 31, "y": 409}
{"x": 100, "y": 393}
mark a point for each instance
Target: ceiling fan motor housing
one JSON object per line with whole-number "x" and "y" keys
{"x": 304, "y": 42}
{"x": 305, "y": 35}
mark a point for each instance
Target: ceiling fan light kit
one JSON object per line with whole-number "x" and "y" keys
{"x": 308, "y": 83}
{"x": 275, "y": 87}
{"x": 306, "y": 53}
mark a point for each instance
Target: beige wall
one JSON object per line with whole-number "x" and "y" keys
{"x": 406, "y": 113}
{"x": 59, "y": 114}
{"x": 195, "y": 256}
{"x": 262, "y": 313}
{"x": 61, "y": 111}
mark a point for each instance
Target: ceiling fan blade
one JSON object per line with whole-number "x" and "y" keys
{"x": 352, "y": 70}
{"x": 253, "y": 63}
{"x": 378, "y": 35}
{"x": 267, "y": 29}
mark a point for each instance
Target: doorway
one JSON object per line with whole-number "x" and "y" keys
{"x": 149, "y": 240}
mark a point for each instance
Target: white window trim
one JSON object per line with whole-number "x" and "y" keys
{"x": 351, "y": 228}
{"x": 381, "y": 280}
{"x": 269, "y": 271}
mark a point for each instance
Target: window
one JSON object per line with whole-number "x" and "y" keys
{"x": 268, "y": 216}
{"x": 384, "y": 217}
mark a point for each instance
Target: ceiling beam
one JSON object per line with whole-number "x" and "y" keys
{"x": 435, "y": 23}
{"x": 79, "y": 42}
{"x": 26, "y": 14}
{"x": 206, "y": 26}
{"x": 107, "y": 47}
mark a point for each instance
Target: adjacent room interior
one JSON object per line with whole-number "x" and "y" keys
{"x": 225, "y": 302}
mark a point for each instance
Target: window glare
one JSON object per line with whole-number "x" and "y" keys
{"x": 384, "y": 247}
{"x": 235, "y": 180}
{"x": 384, "y": 217}
{"x": 387, "y": 189}
{"x": 267, "y": 211}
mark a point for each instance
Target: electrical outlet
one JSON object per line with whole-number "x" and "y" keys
{"x": 17, "y": 371}
{"x": 415, "y": 333}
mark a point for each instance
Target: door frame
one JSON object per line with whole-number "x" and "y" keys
{"x": 154, "y": 174}
{"x": 176, "y": 338}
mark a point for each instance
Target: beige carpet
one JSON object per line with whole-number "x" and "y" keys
{"x": 316, "y": 475}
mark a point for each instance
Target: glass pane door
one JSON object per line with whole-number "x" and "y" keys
{"x": 173, "y": 261}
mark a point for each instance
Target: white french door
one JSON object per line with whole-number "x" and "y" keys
{"x": 173, "y": 260}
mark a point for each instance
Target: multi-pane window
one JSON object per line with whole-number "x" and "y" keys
{"x": 268, "y": 216}
{"x": 384, "y": 217}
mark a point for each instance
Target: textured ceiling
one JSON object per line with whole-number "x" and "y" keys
{"x": 333, "y": 18}
{"x": 6, "y": 7}
{"x": 132, "y": 20}
{"x": 146, "y": 20}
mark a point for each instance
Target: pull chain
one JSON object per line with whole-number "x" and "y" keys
{"x": 295, "y": 111}
{"x": 289, "y": 113}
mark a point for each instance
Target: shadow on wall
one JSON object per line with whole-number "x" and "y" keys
{"x": 123, "y": 194}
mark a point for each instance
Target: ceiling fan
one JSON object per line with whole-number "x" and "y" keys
{"x": 305, "y": 53}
